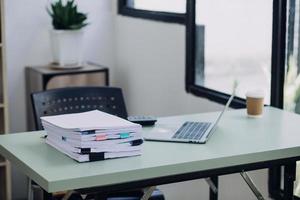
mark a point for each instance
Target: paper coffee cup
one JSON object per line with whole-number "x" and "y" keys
{"x": 255, "y": 103}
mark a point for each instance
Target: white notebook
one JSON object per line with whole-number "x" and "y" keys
{"x": 89, "y": 137}
{"x": 93, "y": 144}
{"x": 91, "y": 120}
{"x": 80, "y": 135}
{"x": 123, "y": 147}
{"x": 87, "y": 157}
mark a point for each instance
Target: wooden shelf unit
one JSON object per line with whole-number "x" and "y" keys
{"x": 5, "y": 172}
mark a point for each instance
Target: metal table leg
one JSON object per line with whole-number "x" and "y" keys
{"x": 213, "y": 183}
{"x": 148, "y": 192}
{"x": 252, "y": 186}
{"x": 289, "y": 178}
{"x": 274, "y": 177}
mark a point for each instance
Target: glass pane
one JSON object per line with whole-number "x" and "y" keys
{"x": 292, "y": 66}
{"x": 234, "y": 42}
{"x": 292, "y": 78}
{"x": 173, "y": 6}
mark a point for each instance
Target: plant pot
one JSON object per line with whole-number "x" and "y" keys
{"x": 67, "y": 48}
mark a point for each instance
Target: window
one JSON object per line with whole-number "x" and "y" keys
{"x": 171, "y": 6}
{"x": 292, "y": 63}
{"x": 167, "y": 10}
{"x": 291, "y": 100}
{"x": 235, "y": 40}
{"x": 245, "y": 40}
{"x": 226, "y": 41}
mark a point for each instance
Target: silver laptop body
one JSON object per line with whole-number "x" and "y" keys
{"x": 169, "y": 132}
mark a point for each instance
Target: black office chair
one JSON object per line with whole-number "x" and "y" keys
{"x": 80, "y": 99}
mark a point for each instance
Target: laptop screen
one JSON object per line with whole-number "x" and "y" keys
{"x": 224, "y": 109}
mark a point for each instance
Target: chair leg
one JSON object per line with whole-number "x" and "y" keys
{"x": 29, "y": 189}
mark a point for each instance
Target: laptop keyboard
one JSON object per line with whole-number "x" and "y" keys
{"x": 191, "y": 130}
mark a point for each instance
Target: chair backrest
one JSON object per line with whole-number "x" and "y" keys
{"x": 77, "y": 99}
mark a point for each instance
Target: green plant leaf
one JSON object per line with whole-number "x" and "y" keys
{"x": 66, "y": 16}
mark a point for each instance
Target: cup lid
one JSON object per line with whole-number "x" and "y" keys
{"x": 255, "y": 93}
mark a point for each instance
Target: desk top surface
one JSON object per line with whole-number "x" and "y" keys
{"x": 238, "y": 140}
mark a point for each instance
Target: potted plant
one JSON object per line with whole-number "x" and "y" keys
{"x": 67, "y": 33}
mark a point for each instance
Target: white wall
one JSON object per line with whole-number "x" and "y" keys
{"x": 27, "y": 37}
{"x": 150, "y": 67}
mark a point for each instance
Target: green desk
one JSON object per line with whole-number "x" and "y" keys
{"x": 239, "y": 144}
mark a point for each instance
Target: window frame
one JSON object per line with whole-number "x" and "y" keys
{"x": 277, "y": 59}
{"x": 169, "y": 17}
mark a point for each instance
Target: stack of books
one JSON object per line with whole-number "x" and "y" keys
{"x": 93, "y": 135}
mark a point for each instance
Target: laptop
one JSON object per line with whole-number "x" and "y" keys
{"x": 189, "y": 132}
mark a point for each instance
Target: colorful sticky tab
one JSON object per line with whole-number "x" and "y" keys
{"x": 101, "y": 137}
{"x": 124, "y": 135}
